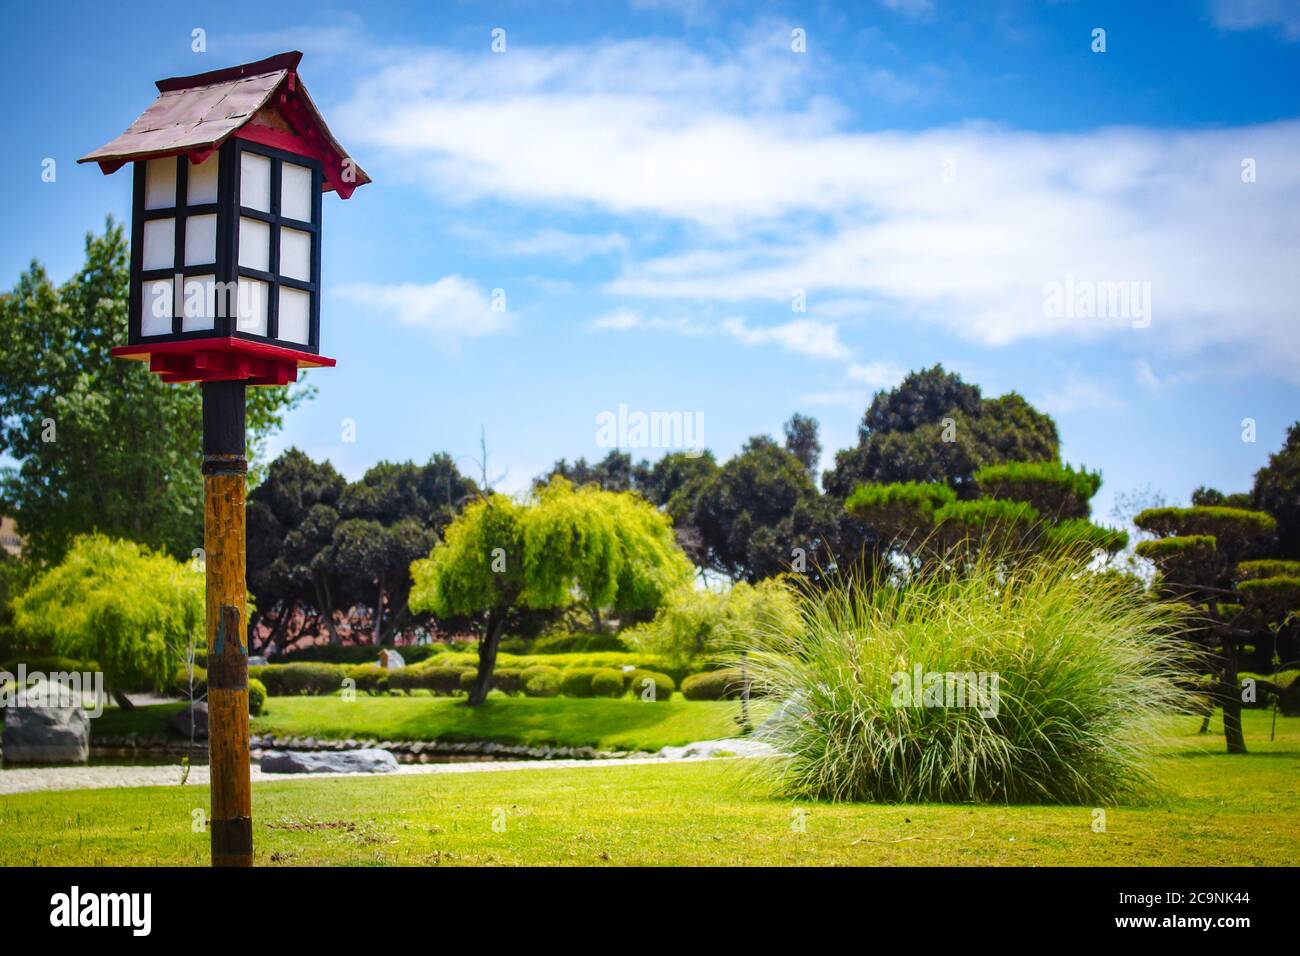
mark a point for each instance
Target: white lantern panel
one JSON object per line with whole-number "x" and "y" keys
{"x": 253, "y": 298}
{"x": 200, "y": 240}
{"x": 156, "y": 307}
{"x": 159, "y": 244}
{"x": 255, "y": 182}
{"x": 160, "y": 183}
{"x": 295, "y": 254}
{"x": 295, "y": 192}
{"x": 254, "y": 244}
{"x": 201, "y": 182}
{"x": 199, "y": 306}
{"x": 295, "y": 316}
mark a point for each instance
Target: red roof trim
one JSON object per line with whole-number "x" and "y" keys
{"x": 281, "y": 61}
{"x": 219, "y": 344}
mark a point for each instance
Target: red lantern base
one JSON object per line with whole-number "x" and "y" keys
{"x": 223, "y": 360}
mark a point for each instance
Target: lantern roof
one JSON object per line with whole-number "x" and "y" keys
{"x": 264, "y": 100}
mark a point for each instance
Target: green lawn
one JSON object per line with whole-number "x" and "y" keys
{"x": 1217, "y": 809}
{"x": 625, "y": 724}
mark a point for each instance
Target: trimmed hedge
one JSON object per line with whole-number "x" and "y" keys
{"x": 1267, "y": 568}
{"x": 256, "y": 696}
{"x": 576, "y": 681}
{"x": 541, "y": 681}
{"x": 713, "y": 685}
{"x": 440, "y": 681}
{"x": 663, "y": 685}
{"x": 597, "y": 660}
{"x": 1054, "y": 490}
{"x": 370, "y": 678}
{"x": 607, "y": 683}
{"x": 1236, "y": 531}
{"x": 508, "y": 680}
{"x": 289, "y": 680}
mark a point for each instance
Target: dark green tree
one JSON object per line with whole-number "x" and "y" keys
{"x": 101, "y": 444}
{"x": 801, "y": 440}
{"x": 935, "y": 427}
{"x": 615, "y": 472}
{"x": 1198, "y": 552}
{"x": 1277, "y": 491}
{"x": 761, "y": 514}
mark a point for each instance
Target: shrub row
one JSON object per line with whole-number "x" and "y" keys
{"x": 536, "y": 680}
{"x": 725, "y": 684}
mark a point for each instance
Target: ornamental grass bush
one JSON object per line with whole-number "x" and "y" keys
{"x": 871, "y": 686}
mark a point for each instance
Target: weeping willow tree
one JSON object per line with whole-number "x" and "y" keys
{"x": 132, "y": 610}
{"x": 564, "y": 545}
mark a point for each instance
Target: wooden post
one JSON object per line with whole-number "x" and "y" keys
{"x": 224, "y": 470}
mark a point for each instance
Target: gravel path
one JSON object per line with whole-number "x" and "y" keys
{"x": 36, "y": 779}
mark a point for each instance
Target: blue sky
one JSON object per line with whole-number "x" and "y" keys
{"x": 651, "y": 186}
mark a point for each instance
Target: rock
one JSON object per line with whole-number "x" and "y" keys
{"x": 45, "y": 724}
{"x": 733, "y": 747}
{"x": 324, "y": 761}
{"x": 198, "y": 714}
{"x": 391, "y": 660}
{"x": 257, "y": 660}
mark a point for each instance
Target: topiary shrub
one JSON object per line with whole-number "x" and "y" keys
{"x": 722, "y": 684}
{"x": 256, "y": 696}
{"x": 289, "y": 680}
{"x": 663, "y": 685}
{"x": 180, "y": 683}
{"x": 576, "y": 681}
{"x": 508, "y": 680}
{"x": 439, "y": 681}
{"x": 370, "y": 678}
{"x": 541, "y": 681}
{"x": 607, "y": 683}
{"x": 1054, "y": 490}
{"x": 899, "y": 509}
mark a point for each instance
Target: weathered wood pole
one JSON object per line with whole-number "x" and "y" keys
{"x": 224, "y": 470}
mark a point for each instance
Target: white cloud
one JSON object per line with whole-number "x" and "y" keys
{"x": 453, "y": 308}
{"x": 803, "y": 336}
{"x": 1253, "y": 14}
{"x": 771, "y": 189}
{"x": 877, "y": 374}
{"x": 571, "y": 246}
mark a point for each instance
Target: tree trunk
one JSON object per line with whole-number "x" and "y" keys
{"x": 1231, "y": 694}
{"x": 326, "y": 609}
{"x": 379, "y": 614}
{"x": 282, "y": 625}
{"x": 487, "y": 657}
{"x": 122, "y": 700}
{"x": 396, "y": 621}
